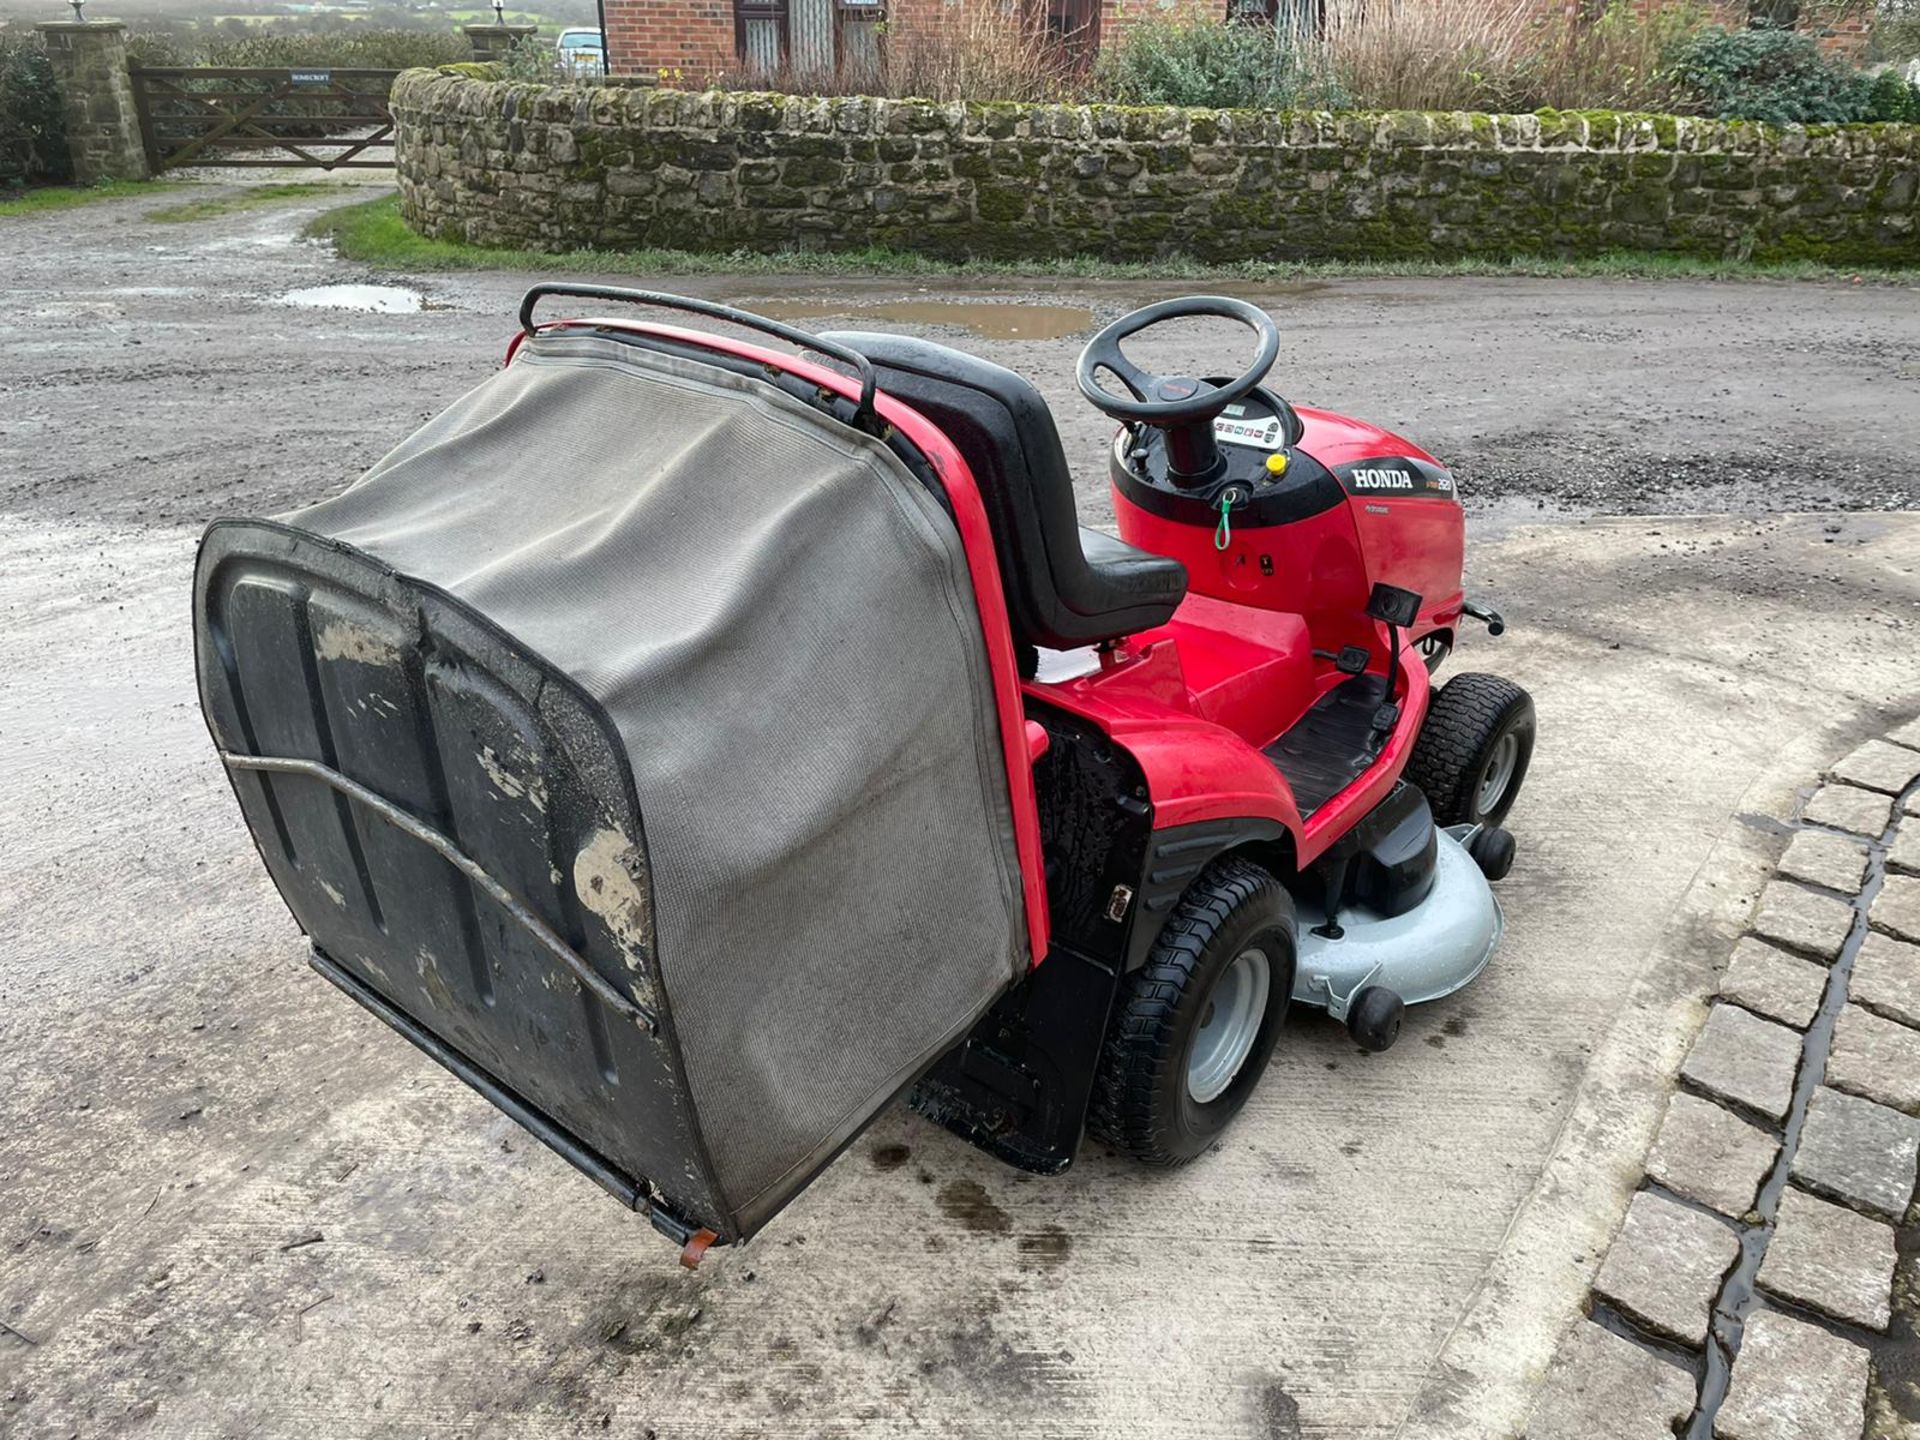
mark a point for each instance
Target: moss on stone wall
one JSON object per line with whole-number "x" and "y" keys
{"x": 569, "y": 167}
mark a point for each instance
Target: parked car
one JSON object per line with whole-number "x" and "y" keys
{"x": 582, "y": 51}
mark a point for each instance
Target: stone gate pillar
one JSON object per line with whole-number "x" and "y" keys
{"x": 496, "y": 42}
{"x": 89, "y": 60}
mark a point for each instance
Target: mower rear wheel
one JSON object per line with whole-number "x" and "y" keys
{"x": 1195, "y": 1026}
{"x": 1473, "y": 749}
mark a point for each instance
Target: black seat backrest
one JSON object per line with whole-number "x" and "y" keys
{"x": 1056, "y": 596}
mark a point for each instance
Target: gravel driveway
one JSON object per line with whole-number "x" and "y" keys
{"x": 235, "y": 1205}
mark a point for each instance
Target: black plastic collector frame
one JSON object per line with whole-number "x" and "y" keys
{"x": 359, "y": 714}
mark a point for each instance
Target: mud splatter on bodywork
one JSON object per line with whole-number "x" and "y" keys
{"x": 607, "y": 876}
{"x": 340, "y": 640}
{"x": 515, "y": 787}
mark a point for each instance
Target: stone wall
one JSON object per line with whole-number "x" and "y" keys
{"x": 559, "y": 168}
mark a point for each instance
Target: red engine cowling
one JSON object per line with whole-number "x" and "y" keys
{"x": 1351, "y": 505}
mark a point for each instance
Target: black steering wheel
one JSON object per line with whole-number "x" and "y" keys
{"x": 1184, "y": 406}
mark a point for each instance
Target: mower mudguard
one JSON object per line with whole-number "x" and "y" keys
{"x": 1018, "y": 1086}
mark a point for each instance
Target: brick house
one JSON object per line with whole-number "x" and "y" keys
{"x": 699, "y": 38}
{"x": 692, "y": 40}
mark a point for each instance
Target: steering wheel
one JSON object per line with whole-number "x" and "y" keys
{"x": 1184, "y": 406}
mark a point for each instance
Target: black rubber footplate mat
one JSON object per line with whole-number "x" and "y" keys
{"x": 1334, "y": 742}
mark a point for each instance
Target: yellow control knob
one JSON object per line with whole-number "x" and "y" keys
{"x": 1277, "y": 463}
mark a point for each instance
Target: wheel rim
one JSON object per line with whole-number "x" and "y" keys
{"x": 1229, "y": 1025}
{"x": 1498, "y": 774}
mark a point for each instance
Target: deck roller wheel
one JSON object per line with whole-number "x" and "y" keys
{"x": 1373, "y": 1020}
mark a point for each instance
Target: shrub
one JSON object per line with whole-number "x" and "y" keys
{"x": 1428, "y": 54}
{"x": 1896, "y": 32}
{"x": 1239, "y": 65}
{"x": 1616, "y": 61}
{"x": 1890, "y": 98}
{"x": 33, "y": 127}
{"x": 1409, "y": 55}
{"x": 369, "y": 49}
{"x": 1767, "y": 74}
{"x": 532, "y": 58}
{"x": 372, "y": 49}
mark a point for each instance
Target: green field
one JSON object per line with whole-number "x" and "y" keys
{"x": 514, "y": 17}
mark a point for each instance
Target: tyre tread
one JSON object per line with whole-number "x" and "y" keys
{"x": 1144, "y": 1032}
{"x": 1464, "y": 712}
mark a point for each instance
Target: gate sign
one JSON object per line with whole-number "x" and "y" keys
{"x": 311, "y": 77}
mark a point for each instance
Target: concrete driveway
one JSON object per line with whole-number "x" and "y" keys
{"x": 235, "y": 1205}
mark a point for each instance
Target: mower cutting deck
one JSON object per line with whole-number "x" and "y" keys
{"x": 696, "y": 793}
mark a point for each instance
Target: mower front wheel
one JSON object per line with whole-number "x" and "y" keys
{"x": 1473, "y": 749}
{"x": 1195, "y": 1026}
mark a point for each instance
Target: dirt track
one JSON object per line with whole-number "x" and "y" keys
{"x": 233, "y": 1205}
{"x": 1621, "y": 397}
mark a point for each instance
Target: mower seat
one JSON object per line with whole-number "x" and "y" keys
{"x": 1066, "y": 585}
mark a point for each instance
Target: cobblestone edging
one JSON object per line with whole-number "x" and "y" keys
{"x": 1750, "y": 1293}
{"x": 570, "y": 167}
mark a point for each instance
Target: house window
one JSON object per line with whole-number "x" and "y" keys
{"x": 808, "y": 37}
{"x": 1303, "y": 17}
{"x": 760, "y": 32}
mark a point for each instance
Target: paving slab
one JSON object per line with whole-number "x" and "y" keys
{"x": 1773, "y": 983}
{"x": 1907, "y": 734}
{"x": 1857, "y": 1151}
{"x": 1826, "y": 859}
{"x": 1665, "y": 1266}
{"x": 1911, "y": 805}
{"x": 1876, "y": 1058}
{"x": 1793, "y": 1381}
{"x": 1740, "y": 1057}
{"x": 1831, "y": 1259}
{"x": 1877, "y": 765}
{"x": 1793, "y": 916}
{"x": 1904, "y": 853}
{"x": 1886, "y": 978}
{"x": 1896, "y": 909}
{"x": 1707, "y": 1153}
{"x": 1848, "y": 807}
{"x": 1602, "y": 1384}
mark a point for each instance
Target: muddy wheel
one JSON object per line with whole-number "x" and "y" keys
{"x": 1195, "y": 1026}
{"x": 1473, "y": 750}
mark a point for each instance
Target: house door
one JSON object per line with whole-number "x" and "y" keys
{"x": 1074, "y": 25}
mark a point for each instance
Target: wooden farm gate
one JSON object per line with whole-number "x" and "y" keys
{"x": 321, "y": 116}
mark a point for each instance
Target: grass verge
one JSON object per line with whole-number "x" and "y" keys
{"x": 246, "y": 199}
{"x": 65, "y": 197}
{"x": 374, "y": 233}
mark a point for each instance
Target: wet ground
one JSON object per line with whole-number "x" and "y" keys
{"x": 231, "y": 1204}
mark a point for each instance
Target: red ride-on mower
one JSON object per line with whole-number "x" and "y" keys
{"x": 695, "y": 746}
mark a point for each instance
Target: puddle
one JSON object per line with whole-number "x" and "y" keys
{"x": 991, "y": 320}
{"x": 379, "y": 299}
